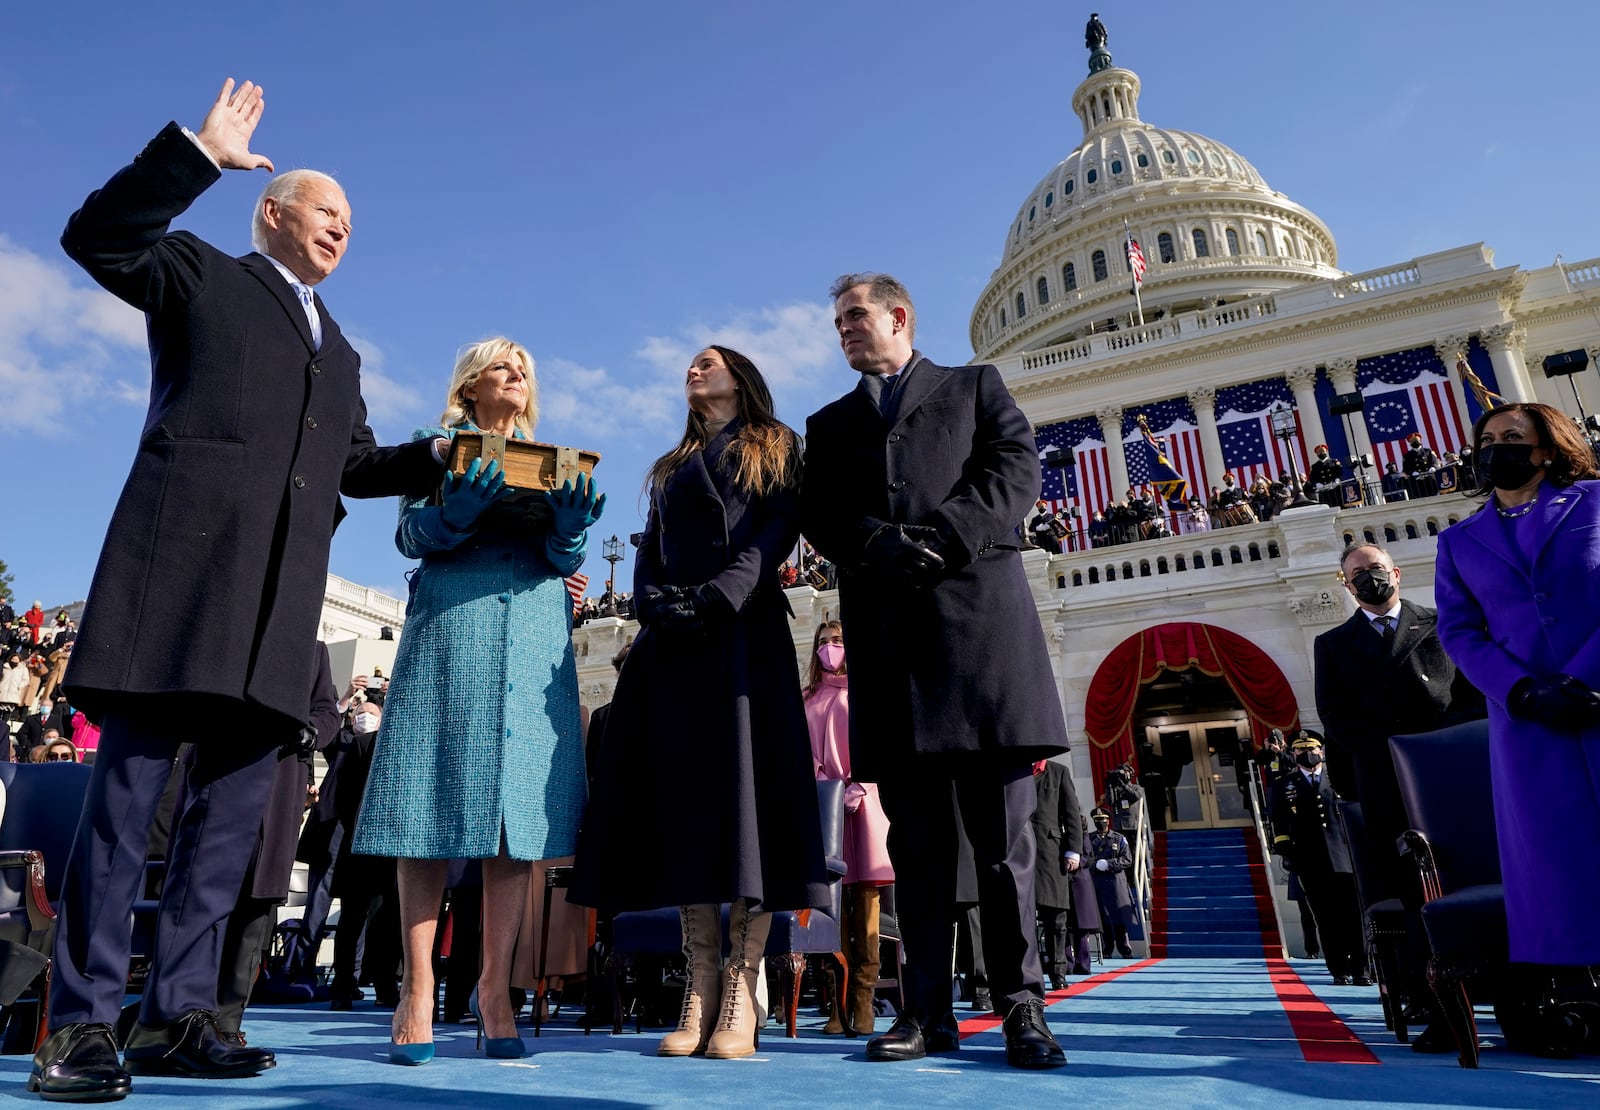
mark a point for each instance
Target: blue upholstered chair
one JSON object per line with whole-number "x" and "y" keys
{"x": 794, "y": 935}
{"x": 1444, "y": 781}
{"x": 43, "y": 801}
{"x": 1384, "y": 921}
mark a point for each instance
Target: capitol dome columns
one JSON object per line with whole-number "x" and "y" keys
{"x": 1504, "y": 343}
{"x": 1303, "y": 384}
{"x": 1203, "y": 398}
{"x": 1342, "y": 373}
{"x": 1110, "y": 419}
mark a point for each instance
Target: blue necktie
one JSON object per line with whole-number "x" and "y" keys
{"x": 312, "y": 316}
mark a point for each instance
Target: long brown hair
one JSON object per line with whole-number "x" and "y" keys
{"x": 1571, "y": 460}
{"x": 815, "y": 673}
{"x": 762, "y": 456}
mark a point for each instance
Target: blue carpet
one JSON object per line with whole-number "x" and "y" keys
{"x": 1208, "y": 903}
{"x": 1173, "y": 1033}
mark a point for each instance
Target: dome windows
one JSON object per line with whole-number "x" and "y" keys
{"x": 1022, "y": 306}
{"x": 1216, "y": 161}
{"x": 1116, "y": 166}
{"x": 1233, "y": 240}
{"x": 1069, "y": 277}
{"x": 1033, "y": 210}
{"x": 1142, "y": 160}
{"x": 1261, "y": 244}
{"x": 1194, "y": 157}
{"x": 1044, "y": 291}
{"x": 1049, "y": 198}
{"x": 1098, "y": 261}
{"x": 1169, "y": 158}
{"x": 1202, "y": 247}
{"x": 1067, "y": 187}
{"x": 1164, "y": 247}
{"x": 1091, "y": 175}
{"x": 1233, "y": 164}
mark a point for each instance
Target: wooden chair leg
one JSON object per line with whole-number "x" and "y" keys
{"x": 794, "y": 972}
{"x": 1456, "y": 1008}
{"x": 1387, "y": 961}
{"x": 43, "y": 1032}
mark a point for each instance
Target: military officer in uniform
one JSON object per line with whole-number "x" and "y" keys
{"x": 1325, "y": 477}
{"x": 1420, "y": 464}
{"x": 1111, "y": 858}
{"x": 1306, "y": 832}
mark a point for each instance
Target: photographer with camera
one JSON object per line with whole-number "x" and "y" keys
{"x": 1122, "y": 799}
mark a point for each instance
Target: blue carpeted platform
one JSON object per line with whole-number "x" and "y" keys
{"x": 1172, "y": 1033}
{"x": 1210, "y": 903}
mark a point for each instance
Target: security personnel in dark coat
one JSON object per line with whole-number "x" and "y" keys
{"x": 1110, "y": 860}
{"x": 1307, "y": 833}
{"x": 1058, "y": 840}
{"x": 1420, "y": 464}
{"x": 206, "y": 596}
{"x": 915, "y": 482}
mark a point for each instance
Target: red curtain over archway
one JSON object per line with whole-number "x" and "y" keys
{"x": 1252, "y": 675}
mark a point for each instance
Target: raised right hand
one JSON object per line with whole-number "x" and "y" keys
{"x": 466, "y": 496}
{"x": 230, "y": 123}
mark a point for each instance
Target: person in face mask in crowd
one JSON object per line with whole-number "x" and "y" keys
{"x": 1519, "y": 611}
{"x": 866, "y": 829}
{"x": 1308, "y": 834}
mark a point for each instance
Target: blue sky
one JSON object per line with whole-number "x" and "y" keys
{"x": 616, "y": 185}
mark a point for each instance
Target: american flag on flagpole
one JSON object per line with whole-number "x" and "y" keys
{"x": 576, "y": 585}
{"x": 1136, "y": 260}
{"x": 1085, "y": 485}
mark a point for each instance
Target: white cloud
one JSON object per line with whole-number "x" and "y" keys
{"x": 793, "y": 345}
{"x": 63, "y": 342}
{"x": 391, "y": 403}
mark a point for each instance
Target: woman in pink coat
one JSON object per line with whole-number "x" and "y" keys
{"x": 866, "y": 829}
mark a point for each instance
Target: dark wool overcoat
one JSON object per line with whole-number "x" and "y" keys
{"x": 1057, "y": 826}
{"x": 214, "y": 566}
{"x": 960, "y": 667}
{"x": 703, "y": 785}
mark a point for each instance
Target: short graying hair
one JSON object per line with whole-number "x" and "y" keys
{"x": 285, "y": 187}
{"x": 881, "y": 290}
{"x": 1357, "y": 545}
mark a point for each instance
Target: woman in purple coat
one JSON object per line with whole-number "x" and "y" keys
{"x": 1518, "y": 592}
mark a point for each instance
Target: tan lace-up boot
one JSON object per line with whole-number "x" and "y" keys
{"x": 702, "y": 984}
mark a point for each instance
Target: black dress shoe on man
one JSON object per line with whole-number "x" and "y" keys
{"x": 1341, "y": 980}
{"x": 191, "y": 1046}
{"x": 982, "y": 1000}
{"x": 1436, "y": 1038}
{"x": 943, "y": 1035}
{"x": 1029, "y": 1043}
{"x": 903, "y": 1041}
{"x": 78, "y": 1063}
{"x": 1360, "y": 981}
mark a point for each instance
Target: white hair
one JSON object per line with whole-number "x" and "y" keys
{"x": 285, "y": 187}
{"x": 471, "y": 361}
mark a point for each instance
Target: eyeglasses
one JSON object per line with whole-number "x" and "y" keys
{"x": 64, "y": 757}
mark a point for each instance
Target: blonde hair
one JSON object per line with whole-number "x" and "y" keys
{"x": 471, "y": 361}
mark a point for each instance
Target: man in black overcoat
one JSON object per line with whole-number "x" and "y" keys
{"x": 915, "y": 482}
{"x": 1058, "y": 844}
{"x": 206, "y": 597}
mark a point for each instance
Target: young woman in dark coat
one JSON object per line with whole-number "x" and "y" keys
{"x": 703, "y": 790}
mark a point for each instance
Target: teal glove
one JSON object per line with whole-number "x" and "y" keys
{"x": 467, "y": 495}
{"x": 573, "y": 508}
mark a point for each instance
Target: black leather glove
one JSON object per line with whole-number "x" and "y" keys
{"x": 1561, "y": 703}
{"x": 902, "y": 553}
{"x": 655, "y": 602}
{"x": 690, "y": 609}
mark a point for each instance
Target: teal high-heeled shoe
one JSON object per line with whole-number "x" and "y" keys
{"x": 498, "y": 1048}
{"x": 410, "y": 1055}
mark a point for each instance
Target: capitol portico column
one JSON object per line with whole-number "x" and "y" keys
{"x": 1110, "y": 419}
{"x": 1449, "y": 348}
{"x": 1342, "y": 373}
{"x": 1204, "y": 400}
{"x": 1303, "y": 383}
{"x": 1504, "y": 343}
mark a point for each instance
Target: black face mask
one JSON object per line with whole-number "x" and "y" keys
{"x": 1505, "y": 465}
{"x": 1308, "y": 760}
{"x": 1101, "y": 825}
{"x": 1374, "y": 585}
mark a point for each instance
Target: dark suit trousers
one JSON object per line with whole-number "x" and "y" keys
{"x": 209, "y": 849}
{"x": 924, "y": 799}
{"x": 1332, "y": 895}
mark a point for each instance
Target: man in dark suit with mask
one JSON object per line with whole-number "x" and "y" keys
{"x": 915, "y": 483}
{"x": 1383, "y": 673}
{"x": 206, "y": 597}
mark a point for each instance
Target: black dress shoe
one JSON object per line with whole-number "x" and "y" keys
{"x": 1058, "y": 982}
{"x": 943, "y": 1035}
{"x": 1029, "y": 1043}
{"x": 79, "y": 1064}
{"x": 1436, "y": 1038}
{"x": 1360, "y": 981}
{"x": 982, "y": 1000}
{"x": 1341, "y": 980}
{"x": 903, "y": 1041}
{"x": 191, "y": 1046}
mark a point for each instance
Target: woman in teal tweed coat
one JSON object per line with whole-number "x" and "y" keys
{"x": 480, "y": 755}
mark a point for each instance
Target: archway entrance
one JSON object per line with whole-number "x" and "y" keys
{"x": 1187, "y": 704}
